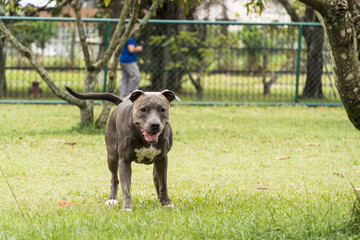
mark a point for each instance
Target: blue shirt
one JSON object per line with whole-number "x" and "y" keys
{"x": 126, "y": 56}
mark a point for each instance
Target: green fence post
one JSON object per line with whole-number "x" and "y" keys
{"x": 298, "y": 66}
{"x": 107, "y": 35}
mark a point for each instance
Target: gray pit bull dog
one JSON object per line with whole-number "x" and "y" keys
{"x": 138, "y": 131}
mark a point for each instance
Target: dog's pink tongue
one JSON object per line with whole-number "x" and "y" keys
{"x": 151, "y": 138}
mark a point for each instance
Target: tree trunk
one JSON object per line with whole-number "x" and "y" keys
{"x": 166, "y": 59}
{"x": 340, "y": 32}
{"x": 104, "y": 115}
{"x": 314, "y": 37}
{"x": 101, "y": 51}
{"x": 267, "y": 88}
{"x": 314, "y": 64}
{"x": 253, "y": 63}
{"x": 72, "y": 45}
{"x": 87, "y": 112}
{"x": 267, "y": 85}
{"x": 160, "y": 77}
{"x": 346, "y": 67}
{"x": 2, "y": 67}
{"x": 199, "y": 92}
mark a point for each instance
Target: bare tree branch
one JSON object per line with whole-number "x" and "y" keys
{"x": 274, "y": 76}
{"x": 82, "y": 35}
{"x": 45, "y": 7}
{"x": 125, "y": 37}
{"x": 112, "y": 73}
{"x": 121, "y": 42}
{"x": 318, "y": 5}
{"x": 40, "y": 69}
{"x": 291, "y": 11}
{"x": 114, "y": 40}
{"x": 148, "y": 15}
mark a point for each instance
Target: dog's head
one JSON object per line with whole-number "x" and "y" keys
{"x": 151, "y": 112}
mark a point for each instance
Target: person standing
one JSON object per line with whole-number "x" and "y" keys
{"x": 130, "y": 72}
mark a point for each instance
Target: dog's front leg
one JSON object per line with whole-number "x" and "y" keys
{"x": 160, "y": 181}
{"x": 125, "y": 179}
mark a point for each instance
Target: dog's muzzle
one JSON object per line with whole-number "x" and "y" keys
{"x": 153, "y": 135}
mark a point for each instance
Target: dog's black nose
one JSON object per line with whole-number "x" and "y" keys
{"x": 155, "y": 126}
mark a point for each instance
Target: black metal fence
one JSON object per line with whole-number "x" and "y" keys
{"x": 201, "y": 61}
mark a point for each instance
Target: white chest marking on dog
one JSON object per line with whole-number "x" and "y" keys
{"x": 149, "y": 153}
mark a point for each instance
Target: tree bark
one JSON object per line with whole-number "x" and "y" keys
{"x": 87, "y": 111}
{"x": 72, "y": 45}
{"x": 82, "y": 36}
{"x": 273, "y": 77}
{"x": 338, "y": 25}
{"x": 3, "y": 86}
{"x": 87, "y": 114}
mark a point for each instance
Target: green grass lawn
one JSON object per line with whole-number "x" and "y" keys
{"x": 234, "y": 173}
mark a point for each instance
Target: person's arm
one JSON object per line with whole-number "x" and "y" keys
{"x": 133, "y": 49}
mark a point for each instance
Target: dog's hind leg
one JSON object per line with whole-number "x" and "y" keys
{"x": 125, "y": 178}
{"x": 113, "y": 163}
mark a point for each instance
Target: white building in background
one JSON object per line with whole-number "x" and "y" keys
{"x": 236, "y": 11}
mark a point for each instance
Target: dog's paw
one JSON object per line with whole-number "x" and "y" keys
{"x": 111, "y": 202}
{"x": 170, "y": 205}
{"x": 126, "y": 209}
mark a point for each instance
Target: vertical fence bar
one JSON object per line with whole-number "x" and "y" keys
{"x": 107, "y": 35}
{"x": 298, "y": 66}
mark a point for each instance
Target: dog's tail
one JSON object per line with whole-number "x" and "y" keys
{"x": 96, "y": 96}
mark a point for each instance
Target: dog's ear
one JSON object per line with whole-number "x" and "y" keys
{"x": 134, "y": 95}
{"x": 170, "y": 95}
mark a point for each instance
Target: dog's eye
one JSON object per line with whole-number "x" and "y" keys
{"x": 143, "y": 109}
{"x": 162, "y": 109}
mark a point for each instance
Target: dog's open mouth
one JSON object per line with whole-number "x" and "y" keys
{"x": 151, "y": 137}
